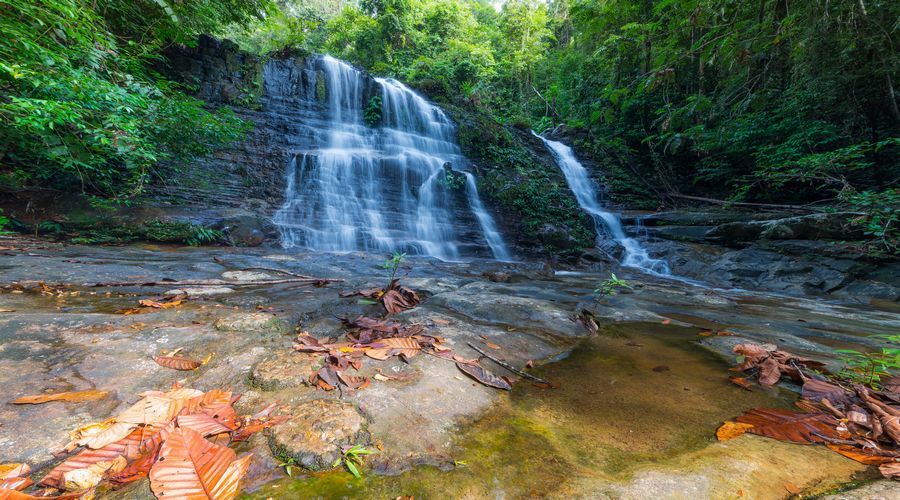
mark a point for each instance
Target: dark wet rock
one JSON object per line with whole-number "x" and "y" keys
{"x": 836, "y": 226}
{"x": 497, "y": 276}
{"x": 250, "y": 230}
{"x": 688, "y": 218}
{"x": 316, "y": 432}
{"x": 557, "y": 236}
{"x": 284, "y": 370}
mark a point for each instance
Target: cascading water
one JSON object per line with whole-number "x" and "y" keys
{"x": 391, "y": 187}
{"x": 605, "y": 222}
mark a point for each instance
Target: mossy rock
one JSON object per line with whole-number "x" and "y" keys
{"x": 317, "y": 430}
{"x": 285, "y": 370}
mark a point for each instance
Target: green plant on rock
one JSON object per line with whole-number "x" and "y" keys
{"x": 352, "y": 459}
{"x": 288, "y": 463}
{"x": 612, "y": 286}
{"x": 392, "y": 264}
{"x": 869, "y": 367}
{"x": 204, "y": 236}
{"x": 372, "y": 114}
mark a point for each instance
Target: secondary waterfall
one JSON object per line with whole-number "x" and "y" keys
{"x": 604, "y": 221}
{"x": 378, "y": 169}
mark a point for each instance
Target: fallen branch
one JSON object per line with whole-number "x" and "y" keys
{"x": 282, "y": 271}
{"x": 509, "y": 367}
{"x": 176, "y": 283}
{"x": 745, "y": 204}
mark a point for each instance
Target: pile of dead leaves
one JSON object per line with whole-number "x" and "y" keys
{"x": 770, "y": 363}
{"x": 851, "y": 419}
{"x": 395, "y": 298}
{"x": 380, "y": 340}
{"x": 178, "y": 438}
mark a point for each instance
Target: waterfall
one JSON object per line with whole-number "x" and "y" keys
{"x": 604, "y": 221}
{"x": 394, "y": 185}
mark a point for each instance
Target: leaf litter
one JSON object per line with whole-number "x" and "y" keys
{"x": 850, "y": 418}
{"x": 177, "y": 438}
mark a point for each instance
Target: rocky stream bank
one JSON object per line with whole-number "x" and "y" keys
{"x": 633, "y": 417}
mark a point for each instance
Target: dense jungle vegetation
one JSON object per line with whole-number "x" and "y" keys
{"x": 779, "y": 101}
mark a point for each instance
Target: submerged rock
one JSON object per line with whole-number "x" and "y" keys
{"x": 317, "y": 430}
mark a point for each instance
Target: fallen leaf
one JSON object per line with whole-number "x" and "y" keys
{"x": 485, "y": 377}
{"x": 861, "y": 455}
{"x": 439, "y": 321}
{"x": 88, "y": 477}
{"x": 492, "y": 345}
{"x": 191, "y": 467}
{"x": 666, "y": 321}
{"x": 13, "y": 470}
{"x": 786, "y": 425}
{"x": 177, "y": 362}
{"x": 741, "y": 382}
{"x": 792, "y": 488}
{"x": 890, "y": 471}
{"x": 70, "y": 397}
{"x": 529, "y": 364}
{"x": 731, "y": 430}
{"x": 705, "y": 333}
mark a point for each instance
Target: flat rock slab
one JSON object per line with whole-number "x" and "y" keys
{"x": 317, "y": 431}
{"x": 208, "y": 291}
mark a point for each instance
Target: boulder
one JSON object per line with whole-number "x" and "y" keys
{"x": 836, "y": 226}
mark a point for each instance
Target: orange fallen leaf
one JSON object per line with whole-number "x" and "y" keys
{"x": 705, "y": 333}
{"x": 740, "y": 382}
{"x": 731, "y": 430}
{"x": 177, "y": 362}
{"x": 160, "y": 305}
{"x": 792, "y": 488}
{"x": 70, "y": 397}
{"x": 492, "y": 345}
{"x": 859, "y": 455}
{"x": 666, "y": 321}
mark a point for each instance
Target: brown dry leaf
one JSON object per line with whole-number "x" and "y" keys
{"x": 177, "y": 362}
{"x": 890, "y": 471}
{"x": 114, "y": 432}
{"x": 69, "y": 397}
{"x": 128, "y": 447}
{"x": 792, "y": 488}
{"x": 191, "y": 467}
{"x": 88, "y": 477}
{"x": 666, "y": 321}
{"x": 439, "y": 321}
{"x": 817, "y": 390}
{"x": 865, "y": 456}
{"x": 10, "y": 487}
{"x": 741, "y": 382}
{"x": 158, "y": 407}
{"x": 385, "y": 348}
{"x": 485, "y": 377}
{"x": 705, "y": 333}
{"x": 731, "y": 430}
{"x": 9, "y": 471}
{"x": 786, "y": 425}
{"x": 492, "y": 345}
{"x": 160, "y": 305}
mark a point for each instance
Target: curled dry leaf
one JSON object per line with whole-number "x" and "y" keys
{"x": 485, "y": 377}
{"x": 191, "y": 467}
{"x": 890, "y": 470}
{"x": 731, "y": 430}
{"x": 177, "y": 362}
{"x": 70, "y": 397}
{"x": 90, "y": 476}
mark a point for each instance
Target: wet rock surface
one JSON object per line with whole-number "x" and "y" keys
{"x": 76, "y": 340}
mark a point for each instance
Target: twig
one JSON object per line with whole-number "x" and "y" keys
{"x": 509, "y": 367}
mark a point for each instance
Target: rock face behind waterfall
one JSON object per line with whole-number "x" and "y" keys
{"x": 338, "y": 159}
